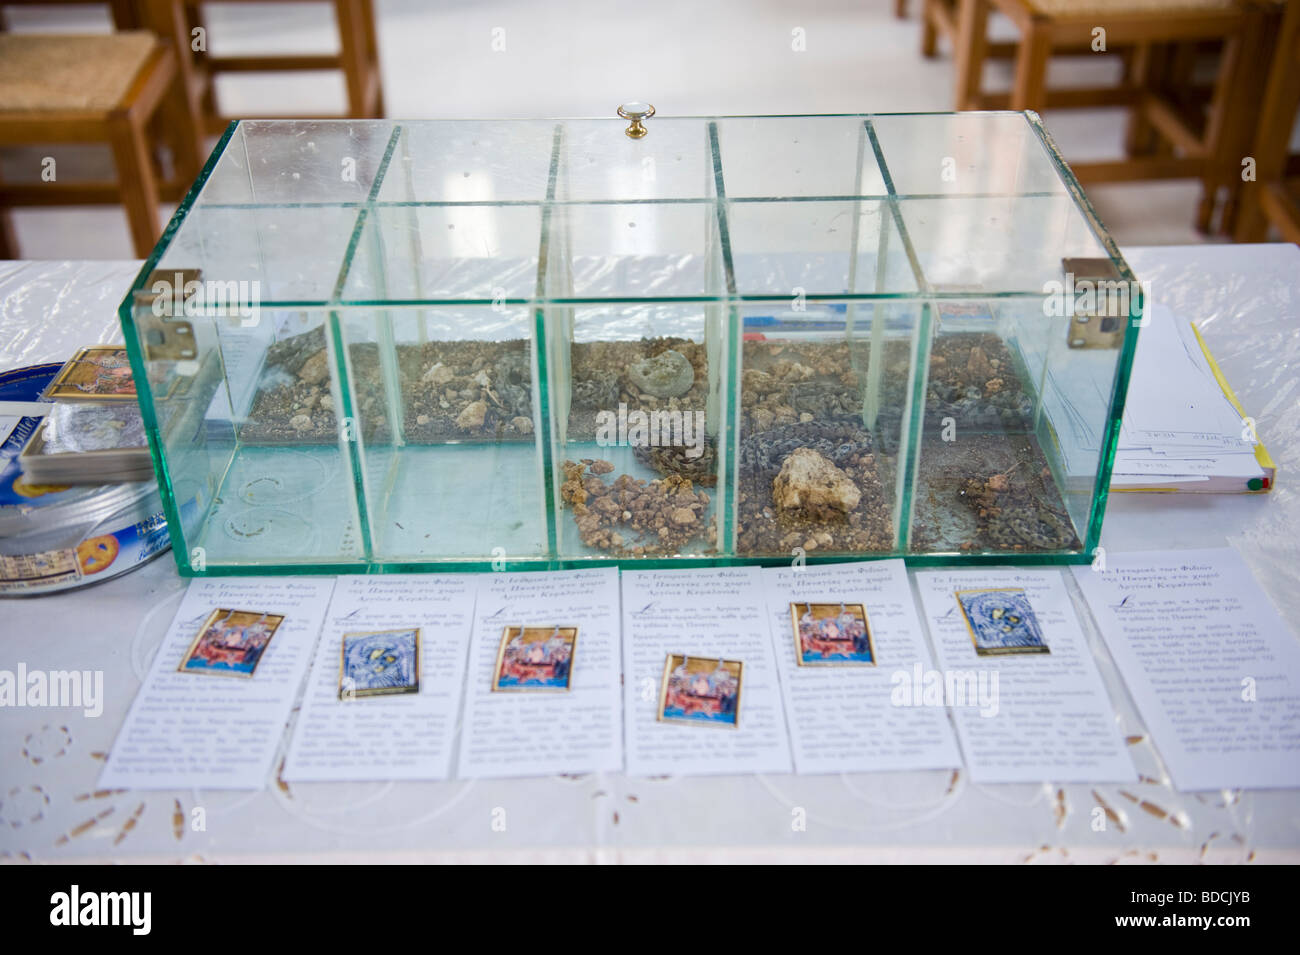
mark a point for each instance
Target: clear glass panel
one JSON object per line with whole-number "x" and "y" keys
{"x": 470, "y": 161}
{"x": 989, "y": 468}
{"x": 269, "y": 163}
{"x": 445, "y": 343}
{"x": 252, "y": 431}
{"x": 1003, "y": 244}
{"x": 598, "y": 163}
{"x": 805, "y": 156}
{"x": 636, "y": 250}
{"x": 638, "y": 398}
{"x": 964, "y": 154}
{"x": 292, "y": 254}
{"x": 448, "y": 432}
{"x": 817, "y": 248}
{"x": 445, "y": 253}
{"x": 825, "y": 397}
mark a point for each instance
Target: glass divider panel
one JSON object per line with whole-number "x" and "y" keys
{"x": 909, "y": 451}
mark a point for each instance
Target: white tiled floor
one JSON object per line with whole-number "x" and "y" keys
{"x": 509, "y": 58}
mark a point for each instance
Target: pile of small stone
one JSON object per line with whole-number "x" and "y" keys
{"x": 652, "y": 374}
{"x": 671, "y": 459}
{"x": 631, "y": 517}
{"x": 1012, "y": 514}
{"x": 464, "y": 390}
{"x": 813, "y": 485}
{"x": 294, "y": 403}
{"x": 783, "y": 385}
{"x": 972, "y": 381}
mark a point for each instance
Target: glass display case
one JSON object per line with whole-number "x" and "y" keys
{"x": 396, "y": 346}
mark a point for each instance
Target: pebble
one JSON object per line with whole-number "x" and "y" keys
{"x": 422, "y": 419}
{"x": 683, "y": 515}
{"x": 809, "y": 480}
{"x": 977, "y": 365}
{"x": 300, "y": 422}
{"x": 522, "y": 425}
{"x": 437, "y": 375}
{"x": 667, "y": 375}
{"x": 314, "y": 369}
{"x": 472, "y": 416}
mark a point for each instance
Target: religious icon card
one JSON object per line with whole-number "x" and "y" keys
{"x": 535, "y": 658}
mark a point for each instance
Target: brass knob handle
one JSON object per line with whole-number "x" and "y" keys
{"x": 636, "y": 112}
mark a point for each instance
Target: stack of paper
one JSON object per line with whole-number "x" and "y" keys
{"x": 1183, "y": 428}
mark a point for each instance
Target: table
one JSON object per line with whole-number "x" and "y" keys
{"x": 1247, "y": 302}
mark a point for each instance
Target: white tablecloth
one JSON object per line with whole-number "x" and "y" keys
{"x": 1247, "y": 301}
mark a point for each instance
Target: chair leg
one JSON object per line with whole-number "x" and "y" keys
{"x": 1143, "y": 73}
{"x": 136, "y": 179}
{"x": 1251, "y": 223}
{"x": 1219, "y": 125}
{"x": 970, "y": 47}
{"x": 181, "y": 126}
{"x": 1249, "y": 87}
{"x": 1270, "y": 146}
{"x": 371, "y": 27}
{"x": 353, "y": 46}
{"x": 929, "y": 35}
{"x": 900, "y": 9}
{"x": 181, "y": 111}
{"x": 8, "y": 240}
{"x": 193, "y": 20}
{"x": 1029, "y": 91}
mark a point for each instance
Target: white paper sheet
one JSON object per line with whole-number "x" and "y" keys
{"x": 537, "y": 732}
{"x": 219, "y": 732}
{"x": 1051, "y": 719}
{"x": 1213, "y": 669}
{"x": 714, "y": 613}
{"x": 1179, "y": 426}
{"x": 399, "y": 736}
{"x": 841, "y": 718}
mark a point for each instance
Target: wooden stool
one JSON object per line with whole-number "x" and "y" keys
{"x": 358, "y": 58}
{"x": 1274, "y": 197}
{"x": 93, "y": 89}
{"x": 1204, "y": 144}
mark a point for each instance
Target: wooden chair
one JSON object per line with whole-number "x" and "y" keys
{"x": 358, "y": 58}
{"x": 1200, "y": 138}
{"x": 941, "y": 18}
{"x": 104, "y": 88}
{"x": 1274, "y": 196}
